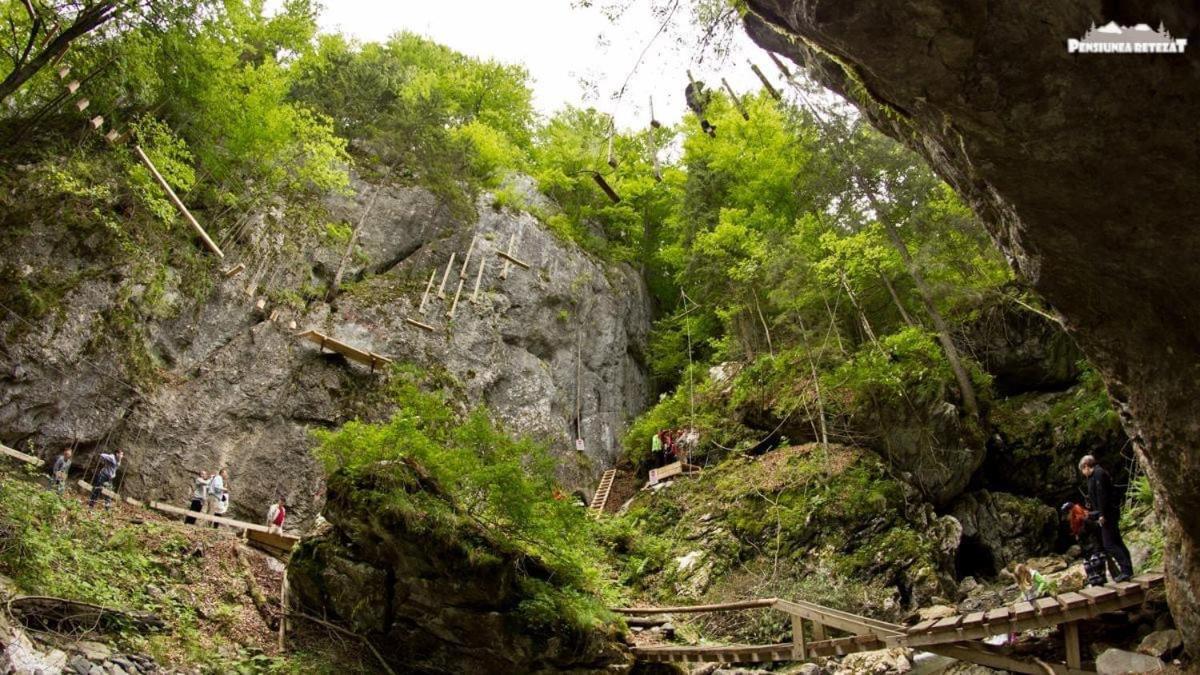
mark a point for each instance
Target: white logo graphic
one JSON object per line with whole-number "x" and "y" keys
{"x": 1113, "y": 39}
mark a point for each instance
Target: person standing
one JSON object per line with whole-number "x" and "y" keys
{"x": 275, "y": 517}
{"x": 199, "y": 494}
{"x": 109, "y": 463}
{"x": 58, "y": 475}
{"x": 1106, "y": 510}
{"x": 218, "y": 495}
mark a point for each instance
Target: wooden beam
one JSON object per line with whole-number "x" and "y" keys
{"x": 766, "y": 83}
{"x": 87, "y": 487}
{"x": 454, "y": 305}
{"x": 512, "y": 239}
{"x": 462, "y": 273}
{"x": 353, "y": 353}
{"x": 17, "y": 454}
{"x": 972, "y": 652}
{"x": 818, "y": 632}
{"x": 96, "y": 122}
{"x": 478, "y": 278}
{"x": 418, "y": 324}
{"x": 82, "y": 104}
{"x": 198, "y": 515}
{"x": 827, "y": 616}
{"x": 235, "y": 270}
{"x": 519, "y": 263}
{"x": 425, "y": 295}
{"x": 187, "y": 215}
{"x": 445, "y": 278}
{"x": 282, "y": 543}
{"x": 1071, "y": 641}
{"x": 699, "y": 609}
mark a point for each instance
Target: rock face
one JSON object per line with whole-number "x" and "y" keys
{"x": 1082, "y": 167}
{"x": 233, "y": 386}
{"x": 999, "y": 529}
{"x": 444, "y": 599}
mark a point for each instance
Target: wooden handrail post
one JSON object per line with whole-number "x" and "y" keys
{"x": 1071, "y": 639}
{"x": 799, "y": 648}
{"x": 818, "y": 632}
{"x": 187, "y": 215}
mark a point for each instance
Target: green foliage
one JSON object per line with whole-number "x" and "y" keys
{"x": 505, "y": 483}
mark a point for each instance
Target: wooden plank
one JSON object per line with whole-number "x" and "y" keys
{"x": 946, "y": 623}
{"x": 922, "y": 627}
{"x": 425, "y": 295}
{"x": 87, "y": 487}
{"x": 1071, "y": 638}
{"x": 445, "y": 277}
{"x": 279, "y": 542}
{"x": 454, "y": 304}
{"x": 1097, "y": 593}
{"x": 1072, "y": 600}
{"x": 418, "y": 324}
{"x": 1148, "y": 580}
{"x": 1124, "y": 587}
{"x": 664, "y": 472}
{"x": 236, "y": 524}
{"x": 700, "y": 609}
{"x": 973, "y": 619}
{"x": 82, "y": 104}
{"x": 183, "y": 210}
{"x": 1044, "y": 606}
{"x": 18, "y": 455}
{"x": 1022, "y": 610}
{"x": 478, "y": 278}
{"x": 519, "y": 263}
{"x": 96, "y": 122}
{"x": 754, "y": 653}
{"x": 462, "y": 273}
{"x": 353, "y": 353}
{"x": 994, "y": 616}
{"x": 235, "y": 270}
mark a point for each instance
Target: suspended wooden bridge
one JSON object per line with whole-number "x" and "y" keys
{"x": 960, "y": 636}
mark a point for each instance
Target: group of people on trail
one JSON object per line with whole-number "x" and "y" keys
{"x": 674, "y": 444}
{"x": 102, "y": 481}
{"x": 210, "y": 495}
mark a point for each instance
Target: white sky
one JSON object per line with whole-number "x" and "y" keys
{"x": 560, "y": 45}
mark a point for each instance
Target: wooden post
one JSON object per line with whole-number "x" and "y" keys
{"x": 765, "y": 82}
{"x": 653, "y": 122}
{"x": 97, "y": 122}
{"x": 799, "y": 648}
{"x": 1071, "y": 639}
{"x": 425, "y": 296}
{"x": 187, "y": 215}
{"x": 283, "y": 614}
{"x": 72, "y": 86}
{"x": 454, "y": 305}
{"x": 445, "y": 277}
{"x": 787, "y": 74}
{"x": 462, "y": 273}
{"x": 82, "y": 104}
{"x": 818, "y": 632}
{"x": 478, "y": 278}
{"x": 512, "y": 239}
{"x": 736, "y": 101}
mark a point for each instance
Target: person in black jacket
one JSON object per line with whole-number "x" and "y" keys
{"x": 1106, "y": 509}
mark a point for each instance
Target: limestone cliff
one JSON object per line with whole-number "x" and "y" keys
{"x": 224, "y": 382}
{"x": 1081, "y": 166}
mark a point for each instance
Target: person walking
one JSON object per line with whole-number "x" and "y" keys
{"x": 1106, "y": 510}
{"x": 275, "y": 517}
{"x": 199, "y": 494}
{"x": 109, "y": 463}
{"x": 58, "y": 475}
{"x": 218, "y": 495}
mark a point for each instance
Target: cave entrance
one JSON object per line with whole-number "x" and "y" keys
{"x": 974, "y": 559}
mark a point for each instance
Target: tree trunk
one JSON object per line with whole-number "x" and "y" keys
{"x": 896, "y": 299}
{"x": 939, "y": 323}
{"x": 86, "y": 21}
{"x": 337, "y": 277}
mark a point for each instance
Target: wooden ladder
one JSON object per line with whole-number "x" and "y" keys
{"x": 601, "y": 497}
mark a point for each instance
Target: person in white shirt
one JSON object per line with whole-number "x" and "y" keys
{"x": 199, "y": 494}
{"x": 218, "y": 494}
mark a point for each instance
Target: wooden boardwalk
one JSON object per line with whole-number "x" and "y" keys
{"x": 957, "y": 636}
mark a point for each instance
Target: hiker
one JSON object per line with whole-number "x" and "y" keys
{"x": 218, "y": 495}
{"x": 1031, "y": 582}
{"x": 275, "y": 516}
{"x": 58, "y": 475}
{"x": 199, "y": 494}
{"x": 1087, "y": 534}
{"x": 1106, "y": 510}
{"x": 109, "y": 463}
{"x": 697, "y": 99}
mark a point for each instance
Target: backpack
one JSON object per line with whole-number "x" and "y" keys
{"x": 1094, "y": 567}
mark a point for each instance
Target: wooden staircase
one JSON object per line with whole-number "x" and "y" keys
{"x": 600, "y": 498}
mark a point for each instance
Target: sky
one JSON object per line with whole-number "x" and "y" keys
{"x": 561, "y": 45}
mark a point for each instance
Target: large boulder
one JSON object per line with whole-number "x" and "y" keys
{"x": 999, "y": 529}
{"x": 1082, "y": 167}
{"x": 934, "y": 447}
{"x": 1023, "y": 351}
{"x": 434, "y": 590}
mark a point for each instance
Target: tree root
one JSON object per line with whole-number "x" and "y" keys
{"x": 348, "y": 633}
{"x": 60, "y": 615}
